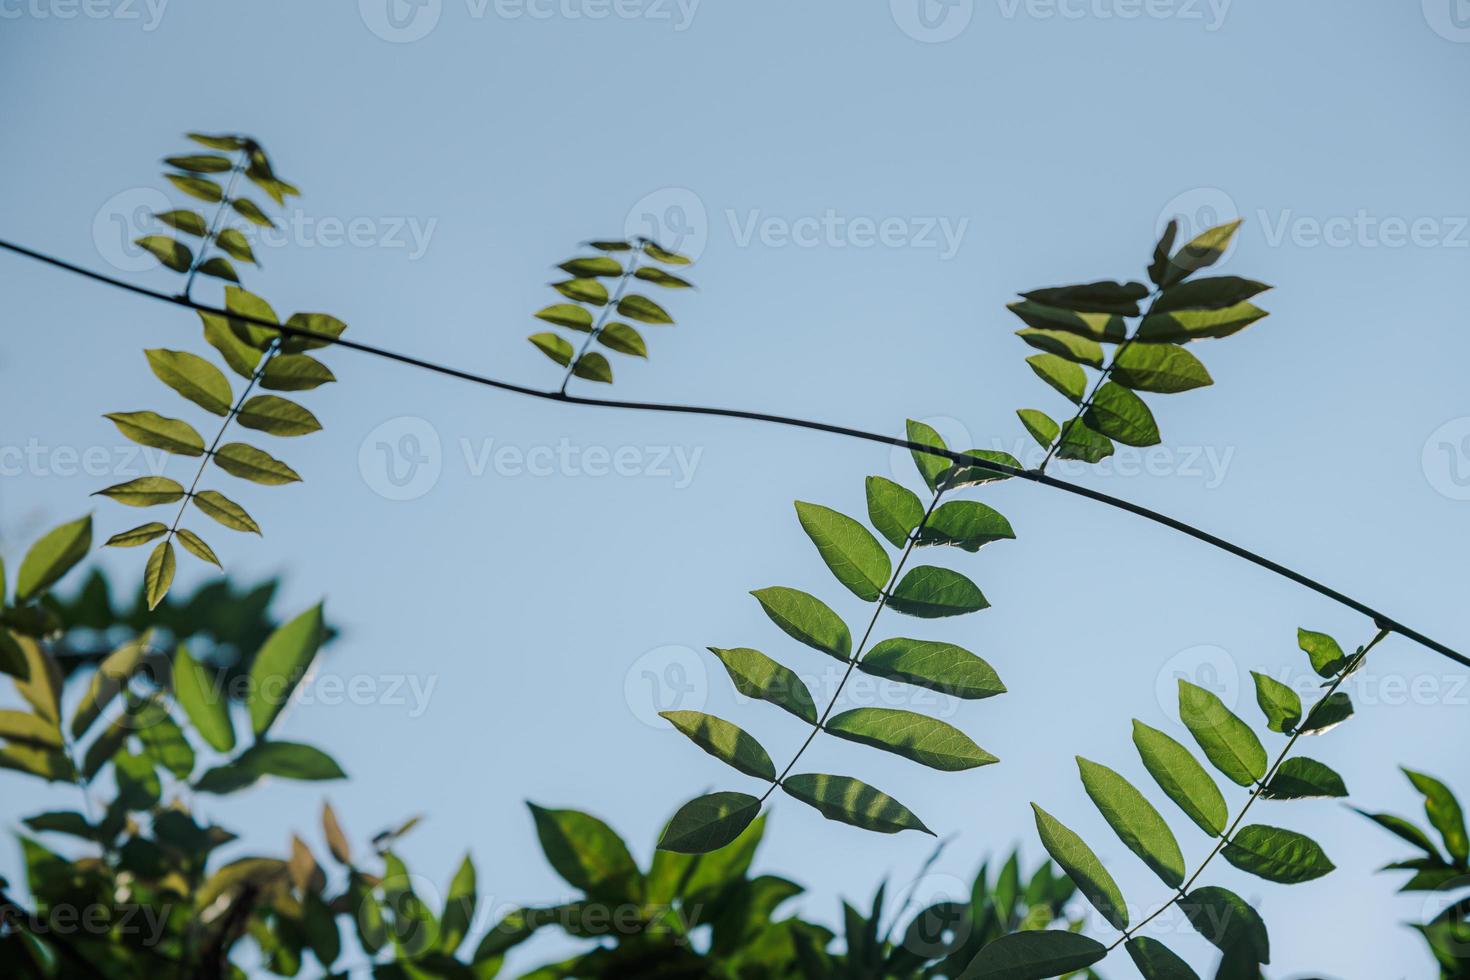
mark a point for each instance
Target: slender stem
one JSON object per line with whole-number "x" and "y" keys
{"x": 857, "y": 656}
{"x": 1379, "y": 618}
{"x": 1353, "y": 664}
{"x": 607, "y": 309}
{"x": 219, "y": 215}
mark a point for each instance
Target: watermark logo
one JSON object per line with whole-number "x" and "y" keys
{"x": 1446, "y": 459}
{"x": 666, "y": 678}
{"x": 674, "y": 217}
{"x": 1206, "y": 666}
{"x": 123, "y": 218}
{"x": 400, "y": 21}
{"x": 1210, "y": 13}
{"x": 1197, "y": 210}
{"x": 932, "y": 21}
{"x": 1450, "y": 19}
{"x": 401, "y": 459}
{"x": 149, "y": 12}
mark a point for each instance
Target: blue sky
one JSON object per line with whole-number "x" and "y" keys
{"x": 865, "y": 189}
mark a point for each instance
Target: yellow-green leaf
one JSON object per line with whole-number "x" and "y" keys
{"x": 203, "y": 700}
{"x": 233, "y": 241}
{"x": 623, "y": 338}
{"x": 1041, "y": 426}
{"x": 553, "y": 347}
{"x": 1063, "y": 344}
{"x": 52, "y": 557}
{"x": 240, "y": 356}
{"x": 159, "y": 573}
{"x": 277, "y": 416}
{"x": 593, "y": 367}
{"x": 661, "y": 278}
{"x": 110, "y": 677}
{"x": 197, "y": 187}
{"x": 173, "y": 254}
{"x": 280, "y": 664}
{"x": 141, "y": 534}
{"x": 249, "y": 463}
{"x": 930, "y": 592}
{"x": 724, "y": 741}
{"x": 642, "y": 309}
{"x": 145, "y": 491}
{"x": 583, "y": 290}
{"x": 226, "y": 511}
{"x": 195, "y": 546}
{"x": 925, "y": 740}
{"x": 189, "y": 222}
{"x": 1062, "y": 374}
{"x": 756, "y": 675}
{"x": 325, "y": 327}
{"x": 893, "y": 509}
{"x": 152, "y": 429}
{"x": 1227, "y": 741}
{"x": 567, "y": 315}
{"x": 295, "y": 372}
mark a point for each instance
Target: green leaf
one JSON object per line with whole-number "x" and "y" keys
{"x": 145, "y": 491}
{"x": 277, "y": 416}
{"x": 173, "y": 254}
{"x": 609, "y": 245}
{"x": 1081, "y": 442}
{"x": 1160, "y": 265}
{"x": 321, "y": 324}
{"x": 554, "y": 347}
{"x": 233, "y": 242}
{"x": 709, "y": 822}
{"x": 1063, "y": 375}
{"x": 724, "y": 741}
{"x": 280, "y": 664}
{"x": 1118, "y": 413}
{"x": 1327, "y": 714}
{"x": 1404, "y": 830}
{"x": 220, "y": 268}
{"x": 1327, "y": 657}
{"x": 1277, "y": 855}
{"x": 1182, "y": 326}
{"x": 195, "y": 546}
{"x": 141, "y": 534}
{"x": 1083, "y": 867}
{"x": 592, "y": 267}
{"x": 24, "y": 728}
{"x": 930, "y": 592}
{"x": 587, "y": 854}
{"x": 756, "y": 675}
{"x": 51, "y": 765}
{"x": 1093, "y": 297}
{"x": 661, "y": 278}
{"x": 941, "y": 667}
{"x": 925, "y": 740}
{"x": 1041, "y": 426}
{"x": 893, "y": 509}
{"x": 240, "y": 356}
{"x": 849, "y": 549}
{"x": 152, "y": 429}
{"x": 965, "y": 524}
{"x": 1163, "y": 368}
{"x": 1227, "y": 741}
{"x": 623, "y": 339}
{"x": 852, "y": 801}
{"x": 203, "y": 701}
{"x": 52, "y": 557}
{"x": 1182, "y": 778}
{"x": 165, "y": 744}
{"x": 1063, "y": 344}
{"x": 594, "y": 367}
{"x": 1106, "y": 327}
{"x": 1213, "y": 293}
{"x": 202, "y": 163}
{"x": 221, "y": 508}
{"x": 663, "y": 255}
{"x": 284, "y": 760}
{"x": 1135, "y": 821}
{"x": 200, "y": 188}
{"x": 1034, "y": 955}
{"x": 1204, "y": 250}
{"x": 159, "y": 573}
{"x": 1280, "y": 704}
{"x": 1155, "y": 961}
{"x": 189, "y": 222}
{"x": 1227, "y": 921}
{"x": 567, "y": 315}
{"x": 583, "y": 290}
{"x": 255, "y": 465}
{"x": 1444, "y": 813}
{"x": 642, "y": 309}
{"x": 962, "y": 475}
{"x": 1300, "y": 778}
{"x": 247, "y": 304}
{"x": 251, "y": 211}
{"x": 806, "y": 619}
{"x": 42, "y": 689}
{"x": 930, "y": 466}
{"x": 295, "y": 372}
{"x": 111, "y": 677}
{"x": 459, "y": 907}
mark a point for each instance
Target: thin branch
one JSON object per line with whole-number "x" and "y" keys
{"x": 1380, "y": 619}
{"x": 219, "y": 215}
{"x": 607, "y": 308}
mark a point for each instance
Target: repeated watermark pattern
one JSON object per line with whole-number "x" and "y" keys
{"x": 406, "y": 21}
{"x": 147, "y": 14}
{"x": 38, "y": 459}
{"x": 937, "y": 21}
{"x": 1446, "y": 459}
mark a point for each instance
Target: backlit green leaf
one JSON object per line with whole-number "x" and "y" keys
{"x": 594, "y": 367}
{"x": 1182, "y": 326}
{"x": 567, "y": 315}
{"x": 195, "y": 546}
{"x": 893, "y": 509}
{"x": 247, "y": 304}
{"x": 1205, "y": 249}
{"x": 1119, "y": 414}
{"x": 583, "y": 290}
{"x": 1034, "y": 955}
{"x": 623, "y": 339}
{"x": 25, "y": 728}
{"x": 1078, "y": 441}
{"x": 1404, "y": 830}
{"x": 554, "y": 347}
{"x": 591, "y": 267}
{"x": 201, "y": 188}
{"x": 322, "y": 325}
{"x": 806, "y": 619}
{"x": 459, "y": 907}
{"x": 1159, "y": 267}
{"x": 709, "y": 822}
{"x": 226, "y": 511}
{"x": 1163, "y": 368}
{"x": 152, "y": 429}
{"x": 280, "y": 664}
{"x": 1135, "y": 821}
{"x": 1327, "y": 714}
{"x": 1300, "y": 778}
{"x": 1063, "y": 375}
{"x": 849, "y": 549}
{"x": 930, "y": 592}
{"x": 189, "y": 222}
{"x": 1155, "y": 961}
{"x": 52, "y": 557}
{"x": 1182, "y": 778}
{"x": 1063, "y": 344}
{"x": 1228, "y": 742}
{"x": 1327, "y": 657}
{"x": 284, "y": 760}
{"x": 1093, "y": 297}
{"x": 1041, "y": 426}
{"x": 724, "y": 741}
{"x": 756, "y": 675}
{"x": 295, "y": 372}
{"x": 941, "y": 667}
{"x": 930, "y": 466}
{"x": 251, "y": 211}
{"x": 961, "y": 475}
{"x": 240, "y": 356}
{"x": 220, "y": 268}
{"x": 173, "y": 254}
{"x": 158, "y": 575}
{"x": 925, "y": 740}
{"x": 277, "y": 416}
{"x": 141, "y": 534}
{"x": 661, "y": 278}
{"x": 164, "y": 743}
{"x": 203, "y": 700}
{"x": 201, "y": 163}
{"x": 1281, "y": 705}
{"x": 234, "y": 243}
{"x": 1107, "y": 327}
{"x": 852, "y": 801}
{"x": 663, "y": 255}
{"x": 1277, "y": 855}
{"x": 586, "y": 852}
{"x": 1212, "y": 293}
{"x": 145, "y": 491}
{"x": 1227, "y": 920}
{"x": 110, "y": 678}
{"x": 249, "y": 463}
{"x": 1083, "y": 867}
{"x": 965, "y": 524}
{"x": 642, "y": 309}
{"x": 1444, "y": 813}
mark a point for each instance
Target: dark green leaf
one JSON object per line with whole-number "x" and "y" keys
{"x": 852, "y": 801}
{"x": 1182, "y": 778}
{"x": 158, "y": 575}
{"x": 642, "y": 309}
{"x": 240, "y": 356}
{"x": 567, "y": 315}
{"x": 1227, "y": 741}
{"x": 152, "y": 429}
{"x": 1205, "y": 249}
{"x": 1041, "y": 426}
{"x": 221, "y": 508}
{"x": 708, "y": 823}
{"x": 1034, "y": 955}
{"x": 1078, "y": 441}
{"x": 585, "y": 852}
{"x": 284, "y": 760}
{"x": 1063, "y": 344}
{"x": 893, "y": 509}
{"x": 1227, "y": 920}
{"x": 1157, "y": 961}
{"x": 1093, "y": 297}
{"x": 593, "y": 367}
{"x": 1106, "y": 327}
{"x": 1327, "y": 657}
{"x": 165, "y": 744}
{"x": 930, "y": 592}
{"x": 1280, "y": 704}
{"x": 459, "y": 907}
{"x": 941, "y": 667}
{"x": 1063, "y": 375}
{"x": 962, "y": 475}
{"x": 930, "y": 466}
{"x": 234, "y": 243}
{"x": 1404, "y": 830}
{"x": 661, "y": 278}
{"x": 141, "y": 534}
{"x": 756, "y": 675}
{"x": 553, "y": 347}
{"x": 1213, "y": 293}
{"x": 583, "y": 290}
{"x": 295, "y": 372}
{"x": 280, "y": 664}
{"x": 609, "y": 245}
{"x": 1444, "y": 813}
{"x": 1134, "y": 820}
{"x": 623, "y": 339}
{"x": 252, "y": 212}
{"x": 173, "y": 254}
{"x": 1277, "y": 855}
{"x": 277, "y": 416}
{"x": 724, "y": 741}
{"x": 255, "y": 465}
{"x": 189, "y": 222}
{"x": 807, "y": 619}
{"x": 849, "y": 549}
{"x": 246, "y": 304}
{"x": 1083, "y": 866}
{"x": 203, "y": 700}
{"x": 592, "y": 267}
{"x": 1300, "y": 778}
{"x": 202, "y": 163}
{"x": 663, "y": 255}
{"x": 1160, "y": 265}
{"x": 1327, "y": 714}
{"x": 1163, "y": 368}
{"x": 965, "y": 524}
{"x": 52, "y": 557}
{"x": 145, "y": 491}
{"x": 1182, "y": 326}
{"x": 111, "y": 676}
{"x": 925, "y": 740}
{"x": 220, "y": 268}
{"x": 201, "y": 188}
{"x": 1119, "y": 414}
{"x": 323, "y": 325}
